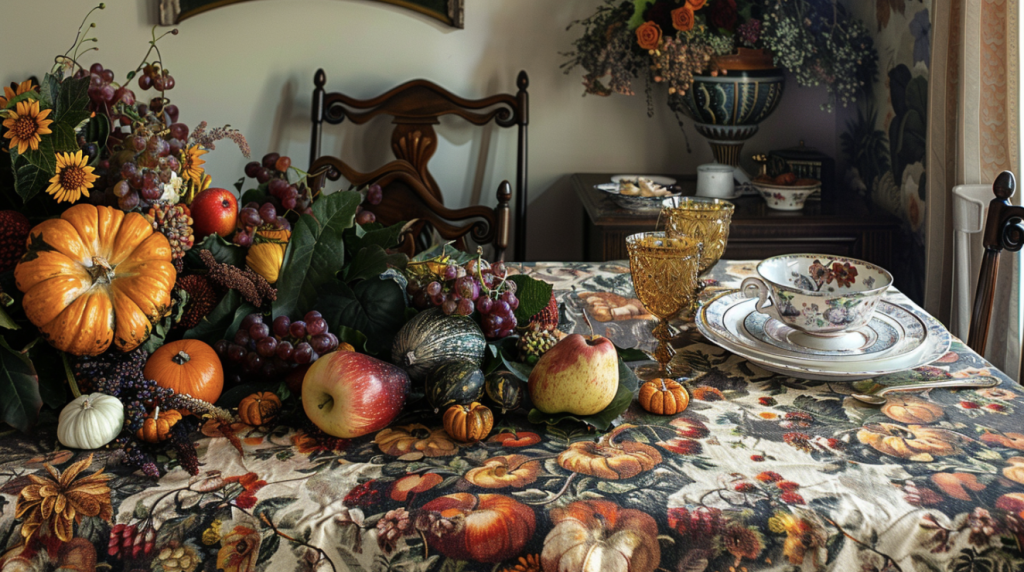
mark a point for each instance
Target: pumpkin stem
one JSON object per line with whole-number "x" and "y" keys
{"x": 156, "y": 413}
{"x": 181, "y": 358}
{"x": 101, "y": 271}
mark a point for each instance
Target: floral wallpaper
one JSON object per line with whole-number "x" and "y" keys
{"x": 883, "y": 138}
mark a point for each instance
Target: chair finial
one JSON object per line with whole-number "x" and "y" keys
{"x": 320, "y": 78}
{"x": 1005, "y": 185}
{"x": 523, "y": 80}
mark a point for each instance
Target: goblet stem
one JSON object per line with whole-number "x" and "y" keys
{"x": 663, "y": 354}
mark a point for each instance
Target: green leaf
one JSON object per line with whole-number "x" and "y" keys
{"x": 533, "y": 296}
{"x": 6, "y": 321}
{"x": 72, "y": 105}
{"x": 638, "y": 13}
{"x": 13, "y": 102}
{"x": 375, "y": 307}
{"x": 369, "y": 262}
{"x": 603, "y": 419}
{"x": 212, "y": 327}
{"x": 351, "y": 336}
{"x": 316, "y": 252}
{"x": 387, "y": 237}
{"x": 19, "y": 389}
{"x": 49, "y": 367}
{"x": 259, "y": 195}
{"x": 239, "y": 184}
{"x": 97, "y": 131}
{"x": 631, "y": 354}
{"x": 163, "y": 327}
{"x": 29, "y": 179}
{"x": 49, "y": 89}
{"x": 222, "y": 250}
{"x": 244, "y": 310}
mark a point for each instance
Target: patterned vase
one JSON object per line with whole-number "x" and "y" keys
{"x": 726, "y": 108}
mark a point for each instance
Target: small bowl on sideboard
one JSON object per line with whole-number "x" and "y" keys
{"x": 785, "y": 197}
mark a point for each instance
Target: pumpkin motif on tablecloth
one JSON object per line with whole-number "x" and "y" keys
{"x": 913, "y": 442}
{"x": 96, "y": 276}
{"x": 598, "y": 535}
{"x": 607, "y": 459}
{"x": 480, "y": 528}
{"x": 514, "y": 471}
{"x": 415, "y": 438}
{"x": 911, "y": 409}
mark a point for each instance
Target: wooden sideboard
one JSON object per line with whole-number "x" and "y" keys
{"x": 851, "y": 229}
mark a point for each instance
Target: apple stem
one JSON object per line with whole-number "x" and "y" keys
{"x": 587, "y": 320}
{"x": 324, "y": 404}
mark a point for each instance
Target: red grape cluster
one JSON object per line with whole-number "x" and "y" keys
{"x": 273, "y": 171}
{"x": 271, "y": 351}
{"x": 155, "y": 76}
{"x": 374, "y": 195}
{"x": 103, "y": 93}
{"x": 476, "y": 286}
{"x": 146, "y": 162}
{"x": 255, "y": 216}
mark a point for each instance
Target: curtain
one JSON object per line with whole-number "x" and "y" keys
{"x": 973, "y": 135}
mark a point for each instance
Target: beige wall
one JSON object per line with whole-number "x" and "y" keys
{"x": 251, "y": 65}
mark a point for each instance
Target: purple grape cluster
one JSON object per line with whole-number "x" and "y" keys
{"x": 148, "y": 161}
{"x": 272, "y": 350}
{"x": 474, "y": 287}
{"x": 273, "y": 171}
{"x": 254, "y": 216}
{"x": 374, "y": 195}
{"x": 104, "y": 94}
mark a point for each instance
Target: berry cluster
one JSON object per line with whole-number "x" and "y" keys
{"x": 131, "y": 542}
{"x": 103, "y": 93}
{"x": 269, "y": 351}
{"x": 254, "y": 217}
{"x": 156, "y": 76}
{"x": 476, "y": 286}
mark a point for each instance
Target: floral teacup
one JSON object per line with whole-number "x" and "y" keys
{"x": 818, "y": 294}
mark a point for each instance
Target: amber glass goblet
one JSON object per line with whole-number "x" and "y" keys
{"x": 664, "y": 272}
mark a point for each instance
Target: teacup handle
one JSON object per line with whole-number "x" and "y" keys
{"x": 761, "y": 305}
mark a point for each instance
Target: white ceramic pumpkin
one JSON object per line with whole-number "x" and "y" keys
{"x": 90, "y": 421}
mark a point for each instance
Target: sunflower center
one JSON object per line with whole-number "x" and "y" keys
{"x": 72, "y": 177}
{"x": 24, "y": 128}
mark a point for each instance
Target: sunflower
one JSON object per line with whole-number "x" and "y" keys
{"x": 191, "y": 164}
{"x": 25, "y": 124}
{"x": 10, "y": 94}
{"x": 73, "y": 178}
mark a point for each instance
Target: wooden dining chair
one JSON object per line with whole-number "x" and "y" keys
{"x": 415, "y": 108}
{"x": 1004, "y": 230}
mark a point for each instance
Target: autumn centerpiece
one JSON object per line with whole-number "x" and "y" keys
{"x": 711, "y": 54}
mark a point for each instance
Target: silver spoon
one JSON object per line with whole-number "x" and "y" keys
{"x": 962, "y": 383}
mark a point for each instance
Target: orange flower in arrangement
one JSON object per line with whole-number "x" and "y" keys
{"x": 61, "y": 500}
{"x": 682, "y": 18}
{"x": 74, "y": 177}
{"x": 10, "y": 94}
{"x": 191, "y": 164}
{"x": 25, "y": 125}
{"x": 239, "y": 550}
{"x": 648, "y": 36}
{"x": 696, "y": 4}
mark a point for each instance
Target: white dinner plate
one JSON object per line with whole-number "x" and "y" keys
{"x": 663, "y": 181}
{"x": 709, "y": 322}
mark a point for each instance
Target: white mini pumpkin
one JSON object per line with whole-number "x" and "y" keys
{"x": 90, "y": 421}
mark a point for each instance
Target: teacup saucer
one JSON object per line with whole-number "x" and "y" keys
{"x": 877, "y": 336}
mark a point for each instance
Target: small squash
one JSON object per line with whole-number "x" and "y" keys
{"x": 468, "y": 423}
{"x": 275, "y": 235}
{"x": 663, "y": 397}
{"x": 346, "y": 347}
{"x": 157, "y": 426}
{"x": 431, "y": 339}
{"x": 455, "y": 383}
{"x": 266, "y": 259}
{"x": 505, "y": 390}
{"x": 187, "y": 366}
{"x": 259, "y": 408}
{"x": 90, "y": 421}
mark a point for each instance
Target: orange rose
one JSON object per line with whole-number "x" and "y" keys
{"x": 696, "y": 4}
{"x": 648, "y": 35}
{"x": 682, "y": 18}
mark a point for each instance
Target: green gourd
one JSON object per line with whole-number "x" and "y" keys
{"x": 505, "y": 390}
{"x": 454, "y": 383}
{"x": 431, "y": 339}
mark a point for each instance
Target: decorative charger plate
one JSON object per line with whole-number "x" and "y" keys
{"x": 710, "y": 323}
{"x": 663, "y": 181}
{"x": 892, "y": 332}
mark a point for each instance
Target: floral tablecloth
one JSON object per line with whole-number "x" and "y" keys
{"x": 762, "y": 472}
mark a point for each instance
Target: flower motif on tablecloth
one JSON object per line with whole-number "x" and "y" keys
{"x": 62, "y": 500}
{"x": 239, "y": 550}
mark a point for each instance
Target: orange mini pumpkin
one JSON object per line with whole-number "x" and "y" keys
{"x": 259, "y": 408}
{"x": 157, "y": 426}
{"x": 663, "y": 397}
{"x": 468, "y": 423}
{"x": 346, "y": 347}
{"x": 187, "y": 366}
{"x": 95, "y": 277}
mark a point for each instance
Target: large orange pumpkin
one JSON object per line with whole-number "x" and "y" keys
{"x": 95, "y": 276}
{"x": 187, "y": 366}
{"x": 598, "y": 535}
{"x": 492, "y": 528}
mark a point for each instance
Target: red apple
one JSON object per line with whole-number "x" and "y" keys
{"x": 579, "y": 375}
{"x": 214, "y": 211}
{"x": 347, "y": 394}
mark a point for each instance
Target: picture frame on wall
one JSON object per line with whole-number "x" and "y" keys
{"x": 450, "y": 12}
